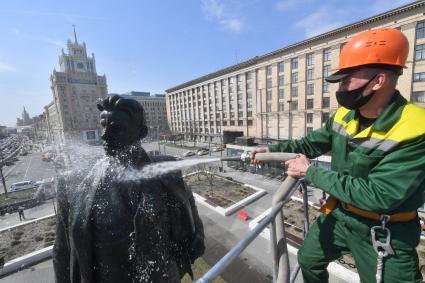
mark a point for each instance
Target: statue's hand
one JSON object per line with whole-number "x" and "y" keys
{"x": 197, "y": 247}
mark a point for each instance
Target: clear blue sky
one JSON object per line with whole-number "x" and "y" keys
{"x": 151, "y": 45}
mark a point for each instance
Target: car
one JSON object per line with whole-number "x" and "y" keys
{"x": 188, "y": 153}
{"x": 203, "y": 152}
{"x": 9, "y": 162}
{"x": 25, "y": 185}
{"x": 217, "y": 148}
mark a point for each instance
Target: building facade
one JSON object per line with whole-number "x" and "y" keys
{"x": 283, "y": 95}
{"x": 76, "y": 89}
{"x": 155, "y": 112}
{"x": 25, "y": 119}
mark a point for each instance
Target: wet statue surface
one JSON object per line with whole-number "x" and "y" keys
{"x": 115, "y": 229}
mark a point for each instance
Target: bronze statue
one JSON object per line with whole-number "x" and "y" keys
{"x": 115, "y": 230}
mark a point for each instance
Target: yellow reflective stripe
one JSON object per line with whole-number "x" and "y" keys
{"x": 350, "y": 127}
{"x": 410, "y": 125}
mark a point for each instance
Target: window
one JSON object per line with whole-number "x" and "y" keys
{"x": 326, "y": 55}
{"x": 293, "y": 105}
{"x": 249, "y": 103}
{"x": 420, "y": 52}
{"x": 249, "y": 114}
{"x": 269, "y": 95}
{"x": 240, "y": 78}
{"x": 418, "y": 96}
{"x": 90, "y": 135}
{"x": 281, "y": 106}
{"x": 326, "y": 86}
{"x": 420, "y": 30}
{"x": 249, "y": 94}
{"x": 310, "y": 74}
{"x": 294, "y": 63}
{"x": 310, "y": 59}
{"x": 325, "y": 102}
{"x": 294, "y": 91}
{"x": 269, "y": 70}
{"x": 310, "y": 104}
{"x": 326, "y": 70}
{"x": 281, "y": 80}
{"x": 310, "y": 89}
{"x": 294, "y": 77}
{"x": 281, "y": 93}
{"x": 280, "y": 67}
{"x": 249, "y": 75}
{"x": 249, "y": 85}
{"x": 269, "y": 107}
{"x": 240, "y": 122}
{"x": 309, "y": 118}
{"x": 418, "y": 77}
{"x": 250, "y": 122}
{"x": 309, "y": 130}
{"x": 325, "y": 117}
{"x": 269, "y": 83}
{"x": 232, "y": 123}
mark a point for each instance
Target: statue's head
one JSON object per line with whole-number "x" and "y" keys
{"x": 123, "y": 122}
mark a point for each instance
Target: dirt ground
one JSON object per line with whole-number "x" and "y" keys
{"x": 217, "y": 190}
{"x": 28, "y": 238}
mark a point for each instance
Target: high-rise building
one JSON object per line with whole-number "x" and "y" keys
{"x": 25, "y": 119}
{"x": 282, "y": 94}
{"x": 76, "y": 88}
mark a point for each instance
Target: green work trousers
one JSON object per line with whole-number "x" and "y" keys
{"x": 341, "y": 232}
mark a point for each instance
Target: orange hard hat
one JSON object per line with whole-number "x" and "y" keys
{"x": 382, "y": 46}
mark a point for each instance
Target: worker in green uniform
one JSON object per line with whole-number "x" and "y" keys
{"x": 377, "y": 177}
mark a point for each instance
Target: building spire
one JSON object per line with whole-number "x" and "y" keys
{"x": 75, "y": 34}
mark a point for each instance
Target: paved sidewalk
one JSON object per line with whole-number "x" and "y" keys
{"x": 30, "y": 214}
{"x": 40, "y": 273}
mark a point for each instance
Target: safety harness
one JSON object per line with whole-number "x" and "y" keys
{"x": 384, "y": 248}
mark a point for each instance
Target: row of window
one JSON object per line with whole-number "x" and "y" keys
{"x": 309, "y": 120}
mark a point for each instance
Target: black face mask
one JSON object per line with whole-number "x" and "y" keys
{"x": 353, "y": 99}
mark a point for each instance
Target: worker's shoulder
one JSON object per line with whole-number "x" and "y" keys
{"x": 409, "y": 126}
{"x": 413, "y": 112}
{"x": 413, "y": 119}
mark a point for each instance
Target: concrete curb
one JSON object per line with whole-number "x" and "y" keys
{"x": 26, "y": 261}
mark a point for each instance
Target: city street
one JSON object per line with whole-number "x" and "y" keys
{"x": 28, "y": 168}
{"x": 222, "y": 232}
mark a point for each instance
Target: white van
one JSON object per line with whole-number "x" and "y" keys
{"x": 26, "y": 185}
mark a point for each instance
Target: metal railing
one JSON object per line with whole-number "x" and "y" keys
{"x": 278, "y": 242}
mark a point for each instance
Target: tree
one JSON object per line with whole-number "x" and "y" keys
{"x": 2, "y": 178}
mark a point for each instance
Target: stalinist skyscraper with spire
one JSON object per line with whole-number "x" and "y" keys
{"x": 76, "y": 88}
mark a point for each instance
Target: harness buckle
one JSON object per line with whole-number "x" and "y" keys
{"x": 381, "y": 246}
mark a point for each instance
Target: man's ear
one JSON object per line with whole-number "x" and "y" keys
{"x": 380, "y": 80}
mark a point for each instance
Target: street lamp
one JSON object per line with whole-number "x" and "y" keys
{"x": 290, "y": 119}
{"x": 221, "y": 139}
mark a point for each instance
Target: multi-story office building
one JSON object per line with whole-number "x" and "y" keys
{"x": 282, "y": 94}
{"x": 76, "y": 88}
{"x": 155, "y": 112}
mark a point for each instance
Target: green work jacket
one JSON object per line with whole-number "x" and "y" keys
{"x": 379, "y": 169}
